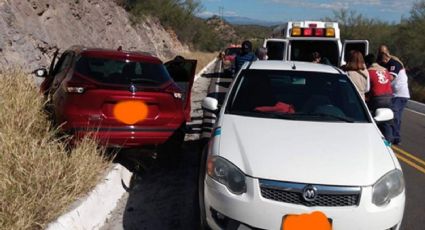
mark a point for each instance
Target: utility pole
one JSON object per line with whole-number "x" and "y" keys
{"x": 221, "y": 12}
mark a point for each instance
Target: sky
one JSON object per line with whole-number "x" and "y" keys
{"x": 287, "y": 10}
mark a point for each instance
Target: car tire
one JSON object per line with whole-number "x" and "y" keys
{"x": 203, "y": 225}
{"x": 173, "y": 147}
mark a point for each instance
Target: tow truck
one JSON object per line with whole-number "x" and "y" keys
{"x": 296, "y": 41}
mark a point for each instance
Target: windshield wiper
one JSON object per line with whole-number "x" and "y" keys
{"x": 340, "y": 118}
{"x": 138, "y": 80}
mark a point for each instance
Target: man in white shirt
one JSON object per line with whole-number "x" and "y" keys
{"x": 400, "y": 88}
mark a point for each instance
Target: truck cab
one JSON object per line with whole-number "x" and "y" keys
{"x": 296, "y": 41}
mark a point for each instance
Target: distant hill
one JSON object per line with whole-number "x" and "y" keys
{"x": 236, "y": 33}
{"x": 236, "y": 20}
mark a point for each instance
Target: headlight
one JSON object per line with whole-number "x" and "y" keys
{"x": 226, "y": 173}
{"x": 388, "y": 187}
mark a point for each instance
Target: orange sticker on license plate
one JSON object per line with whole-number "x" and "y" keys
{"x": 315, "y": 220}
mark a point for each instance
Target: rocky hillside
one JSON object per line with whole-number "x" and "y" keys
{"x": 225, "y": 31}
{"x": 30, "y": 30}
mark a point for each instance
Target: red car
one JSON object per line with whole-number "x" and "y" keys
{"x": 231, "y": 52}
{"x": 230, "y": 55}
{"x": 86, "y": 84}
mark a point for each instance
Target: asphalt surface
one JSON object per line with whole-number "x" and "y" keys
{"x": 413, "y": 144}
{"x": 163, "y": 193}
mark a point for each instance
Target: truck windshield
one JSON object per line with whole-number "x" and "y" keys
{"x": 296, "y": 95}
{"x": 301, "y": 50}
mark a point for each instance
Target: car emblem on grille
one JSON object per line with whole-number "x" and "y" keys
{"x": 132, "y": 88}
{"x": 309, "y": 193}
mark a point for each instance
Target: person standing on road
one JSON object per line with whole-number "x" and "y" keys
{"x": 357, "y": 72}
{"x": 400, "y": 88}
{"x": 261, "y": 53}
{"x": 380, "y": 94}
{"x": 246, "y": 55}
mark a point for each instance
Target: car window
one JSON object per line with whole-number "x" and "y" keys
{"x": 122, "y": 72}
{"x": 297, "y": 95}
{"x": 301, "y": 50}
{"x": 276, "y": 50}
{"x": 232, "y": 51}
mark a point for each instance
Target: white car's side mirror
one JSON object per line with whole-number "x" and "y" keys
{"x": 210, "y": 104}
{"x": 383, "y": 114}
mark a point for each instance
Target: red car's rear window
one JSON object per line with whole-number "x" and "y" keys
{"x": 232, "y": 51}
{"x": 122, "y": 72}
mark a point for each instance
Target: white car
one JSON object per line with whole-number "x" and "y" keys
{"x": 293, "y": 138}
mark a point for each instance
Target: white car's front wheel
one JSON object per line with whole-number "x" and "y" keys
{"x": 203, "y": 225}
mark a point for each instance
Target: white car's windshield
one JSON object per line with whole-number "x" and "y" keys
{"x": 296, "y": 95}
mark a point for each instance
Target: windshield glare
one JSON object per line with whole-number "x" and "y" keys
{"x": 296, "y": 95}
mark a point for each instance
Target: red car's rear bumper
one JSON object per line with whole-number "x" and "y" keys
{"x": 126, "y": 137}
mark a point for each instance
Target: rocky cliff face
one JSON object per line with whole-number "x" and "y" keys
{"x": 30, "y": 30}
{"x": 225, "y": 31}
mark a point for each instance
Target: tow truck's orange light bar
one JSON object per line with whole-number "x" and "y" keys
{"x": 330, "y": 32}
{"x": 296, "y": 31}
{"x": 312, "y": 32}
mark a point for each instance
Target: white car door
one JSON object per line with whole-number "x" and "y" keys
{"x": 349, "y": 45}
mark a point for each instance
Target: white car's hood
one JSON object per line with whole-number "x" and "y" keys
{"x": 331, "y": 153}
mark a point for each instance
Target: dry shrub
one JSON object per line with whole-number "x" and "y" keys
{"x": 39, "y": 177}
{"x": 203, "y": 58}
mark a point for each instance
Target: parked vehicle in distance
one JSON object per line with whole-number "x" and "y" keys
{"x": 229, "y": 56}
{"x": 85, "y": 86}
{"x": 294, "y": 138}
{"x": 297, "y": 40}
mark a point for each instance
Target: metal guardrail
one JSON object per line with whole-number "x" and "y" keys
{"x": 416, "y": 106}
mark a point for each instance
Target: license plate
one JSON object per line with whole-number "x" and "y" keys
{"x": 315, "y": 220}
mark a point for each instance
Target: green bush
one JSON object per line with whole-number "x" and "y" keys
{"x": 178, "y": 15}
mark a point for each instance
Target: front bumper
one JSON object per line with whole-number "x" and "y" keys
{"x": 256, "y": 212}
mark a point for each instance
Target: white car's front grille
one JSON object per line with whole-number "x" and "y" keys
{"x": 320, "y": 195}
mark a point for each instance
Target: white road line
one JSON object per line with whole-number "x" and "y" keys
{"x": 413, "y": 111}
{"x": 205, "y": 69}
{"x": 217, "y": 86}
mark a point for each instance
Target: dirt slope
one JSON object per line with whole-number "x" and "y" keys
{"x": 31, "y": 29}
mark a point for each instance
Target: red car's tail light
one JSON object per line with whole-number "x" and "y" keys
{"x": 77, "y": 85}
{"x": 175, "y": 91}
{"x": 70, "y": 89}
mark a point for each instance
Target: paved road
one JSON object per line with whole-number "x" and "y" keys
{"x": 413, "y": 144}
{"x": 164, "y": 191}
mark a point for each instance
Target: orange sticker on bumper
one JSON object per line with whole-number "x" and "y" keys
{"x": 130, "y": 112}
{"x": 316, "y": 220}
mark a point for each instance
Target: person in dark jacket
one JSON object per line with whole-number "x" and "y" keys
{"x": 246, "y": 55}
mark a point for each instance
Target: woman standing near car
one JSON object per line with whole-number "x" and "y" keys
{"x": 357, "y": 72}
